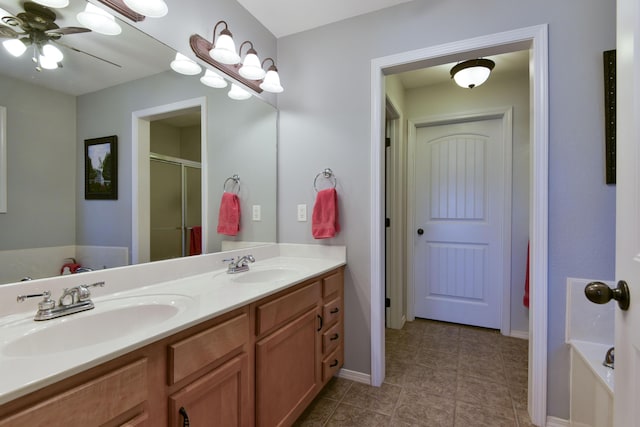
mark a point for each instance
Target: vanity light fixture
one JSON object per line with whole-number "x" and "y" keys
{"x": 251, "y": 68}
{"x": 237, "y": 93}
{"x": 99, "y": 20}
{"x": 53, "y": 3}
{"x": 150, "y": 8}
{"x": 224, "y": 49}
{"x": 183, "y": 65}
{"x": 271, "y": 81}
{"x": 472, "y": 73}
{"x": 213, "y": 79}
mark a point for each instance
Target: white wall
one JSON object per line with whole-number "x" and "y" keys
{"x": 325, "y": 122}
{"x": 511, "y": 90}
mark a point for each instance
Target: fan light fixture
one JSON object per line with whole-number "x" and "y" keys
{"x": 15, "y": 47}
{"x": 472, "y": 73}
{"x": 150, "y": 8}
{"x": 212, "y": 79}
{"x": 224, "y": 49}
{"x": 53, "y": 3}
{"x": 184, "y": 65}
{"x": 99, "y": 20}
{"x": 237, "y": 93}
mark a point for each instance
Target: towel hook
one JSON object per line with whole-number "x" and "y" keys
{"x": 328, "y": 175}
{"x": 236, "y": 183}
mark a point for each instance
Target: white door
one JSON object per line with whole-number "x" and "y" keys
{"x": 459, "y": 188}
{"x": 627, "y": 345}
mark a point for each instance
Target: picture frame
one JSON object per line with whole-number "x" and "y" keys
{"x": 101, "y": 168}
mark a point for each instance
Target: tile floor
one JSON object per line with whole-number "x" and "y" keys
{"x": 437, "y": 374}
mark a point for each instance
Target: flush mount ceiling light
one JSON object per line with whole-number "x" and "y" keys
{"x": 99, "y": 20}
{"x": 53, "y": 3}
{"x": 212, "y": 79}
{"x": 224, "y": 49}
{"x": 472, "y": 73}
{"x": 184, "y": 65}
{"x": 237, "y": 93}
{"x": 271, "y": 81}
{"x": 251, "y": 68}
{"x": 150, "y": 8}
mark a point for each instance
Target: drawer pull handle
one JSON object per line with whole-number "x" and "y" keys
{"x": 185, "y": 417}
{"x": 321, "y": 322}
{"x": 334, "y": 337}
{"x": 334, "y": 363}
{"x": 334, "y": 310}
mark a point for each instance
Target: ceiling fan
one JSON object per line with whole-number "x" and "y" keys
{"x": 36, "y": 27}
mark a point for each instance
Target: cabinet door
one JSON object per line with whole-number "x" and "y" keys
{"x": 219, "y": 398}
{"x": 287, "y": 371}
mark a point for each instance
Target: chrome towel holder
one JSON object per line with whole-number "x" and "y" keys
{"x": 234, "y": 185}
{"x": 328, "y": 175}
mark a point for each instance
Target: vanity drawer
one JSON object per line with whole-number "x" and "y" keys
{"x": 196, "y": 352}
{"x": 332, "y": 311}
{"x": 274, "y": 313}
{"x": 332, "y": 363}
{"x": 331, "y": 338}
{"x": 332, "y": 284}
{"x": 93, "y": 403}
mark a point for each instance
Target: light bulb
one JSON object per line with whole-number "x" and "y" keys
{"x": 472, "y": 77}
{"x": 184, "y": 65}
{"x": 212, "y": 79}
{"x": 47, "y": 63}
{"x": 224, "y": 50}
{"x": 53, "y": 3}
{"x": 150, "y": 8}
{"x": 52, "y": 53}
{"x": 251, "y": 68}
{"x": 99, "y": 20}
{"x": 14, "y": 46}
{"x": 237, "y": 93}
{"x": 271, "y": 82}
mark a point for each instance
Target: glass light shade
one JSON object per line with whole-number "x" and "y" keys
{"x": 251, "y": 68}
{"x": 47, "y": 63}
{"x": 237, "y": 93}
{"x": 14, "y": 46}
{"x": 99, "y": 20}
{"x": 271, "y": 82}
{"x": 184, "y": 65}
{"x": 53, "y": 3}
{"x": 150, "y": 8}
{"x": 224, "y": 50}
{"x": 51, "y": 53}
{"x": 472, "y": 77}
{"x": 212, "y": 79}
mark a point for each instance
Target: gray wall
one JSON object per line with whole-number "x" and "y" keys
{"x": 41, "y": 135}
{"x": 325, "y": 122}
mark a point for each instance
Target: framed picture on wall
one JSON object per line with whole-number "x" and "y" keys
{"x": 101, "y": 168}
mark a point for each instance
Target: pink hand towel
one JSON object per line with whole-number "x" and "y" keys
{"x": 229, "y": 216}
{"x": 324, "y": 220}
{"x": 195, "y": 241}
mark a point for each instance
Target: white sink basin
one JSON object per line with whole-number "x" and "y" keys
{"x": 265, "y": 274}
{"x": 110, "y": 319}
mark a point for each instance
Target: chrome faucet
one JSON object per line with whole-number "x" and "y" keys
{"x": 240, "y": 265}
{"x": 80, "y": 301}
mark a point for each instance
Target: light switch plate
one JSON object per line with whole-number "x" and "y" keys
{"x": 256, "y": 212}
{"x": 302, "y": 213}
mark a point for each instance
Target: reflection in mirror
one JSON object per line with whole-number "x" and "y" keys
{"x": 50, "y": 114}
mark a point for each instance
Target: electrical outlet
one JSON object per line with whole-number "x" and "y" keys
{"x": 302, "y": 213}
{"x": 257, "y": 213}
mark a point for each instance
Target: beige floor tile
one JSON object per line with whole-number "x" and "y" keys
{"x": 395, "y": 371}
{"x": 523, "y": 418}
{"x": 470, "y": 415}
{"x": 421, "y": 409}
{"x": 336, "y": 388}
{"x": 351, "y": 416}
{"x": 484, "y": 369}
{"x": 379, "y": 399}
{"x": 437, "y": 359}
{"x": 482, "y": 392}
{"x": 317, "y": 414}
{"x": 433, "y": 381}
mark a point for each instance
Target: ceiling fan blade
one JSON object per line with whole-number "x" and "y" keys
{"x": 86, "y": 53}
{"x": 8, "y": 33}
{"x": 67, "y": 30}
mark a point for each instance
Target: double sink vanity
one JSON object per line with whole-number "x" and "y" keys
{"x": 178, "y": 342}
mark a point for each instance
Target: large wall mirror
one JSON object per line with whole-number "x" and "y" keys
{"x": 50, "y": 114}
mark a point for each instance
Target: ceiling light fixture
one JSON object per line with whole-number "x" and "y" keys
{"x": 99, "y": 20}
{"x": 184, "y": 65}
{"x": 237, "y": 93}
{"x": 251, "y": 68}
{"x": 15, "y": 47}
{"x": 472, "y": 73}
{"x": 271, "y": 81}
{"x": 224, "y": 49}
{"x": 150, "y": 8}
{"x": 213, "y": 79}
{"x": 53, "y": 3}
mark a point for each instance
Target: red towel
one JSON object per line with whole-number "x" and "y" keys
{"x": 229, "y": 216}
{"x": 72, "y": 266}
{"x": 324, "y": 221}
{"x": 195, "y": 240}
{"x": 525, "y": 299}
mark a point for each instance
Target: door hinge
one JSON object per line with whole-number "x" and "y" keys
{"x": 387, "y": 222}
{"x": 387, "y": 302}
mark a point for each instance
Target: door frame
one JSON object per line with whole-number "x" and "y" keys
{"x": 140, "y": 185}
{"x": 506, "y": 114}
{"x": 535, "y": 39}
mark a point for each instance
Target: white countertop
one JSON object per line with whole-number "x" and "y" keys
{"x": 194, "y": 299}
{"x": 594, "y": 354}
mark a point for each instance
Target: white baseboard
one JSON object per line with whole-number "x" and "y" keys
{"x": 557, "y": 422}
{"x": 358, "y": 377}
{"x": 524, "y": 335}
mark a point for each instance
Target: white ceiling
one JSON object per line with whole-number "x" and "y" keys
{"x": 285, "y": 17}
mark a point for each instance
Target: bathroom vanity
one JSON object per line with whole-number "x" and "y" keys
{"x": 272, "y": 338}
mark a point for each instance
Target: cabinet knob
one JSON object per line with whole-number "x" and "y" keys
{"x": 185, "y": 417}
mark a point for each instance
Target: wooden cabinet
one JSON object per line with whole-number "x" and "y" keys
{"x": 260, "y": 364}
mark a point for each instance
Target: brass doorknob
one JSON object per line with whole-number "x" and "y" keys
{"x": 600, "y": 293}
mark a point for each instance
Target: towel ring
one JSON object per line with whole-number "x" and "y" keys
{"x": 326, "y": 174}
{"x": 236, "y": 183}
